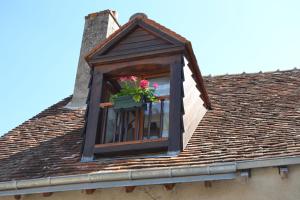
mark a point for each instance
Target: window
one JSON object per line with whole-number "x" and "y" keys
{"x": 147, "y": 125}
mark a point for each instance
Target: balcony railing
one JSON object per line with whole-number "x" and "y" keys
{"x": 131, "y": 126}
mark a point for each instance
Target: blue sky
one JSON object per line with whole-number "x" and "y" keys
{"x": 40, "y": 42}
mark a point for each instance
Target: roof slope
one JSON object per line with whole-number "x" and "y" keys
{"x": 255, "y": 116}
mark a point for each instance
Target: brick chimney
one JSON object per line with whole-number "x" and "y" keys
{"x": 98, "y": 26}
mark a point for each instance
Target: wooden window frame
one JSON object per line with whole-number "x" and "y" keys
{"x": 174, "y": 141}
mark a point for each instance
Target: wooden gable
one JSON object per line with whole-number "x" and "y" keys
{"x": 137, "y": 39}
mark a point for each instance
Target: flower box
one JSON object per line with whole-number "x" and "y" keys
{"x": 134, "y": 93}
{"x": 123, "y": 102}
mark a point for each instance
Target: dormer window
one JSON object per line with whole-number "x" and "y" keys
{"x": 146, "y": 50}
{"x": 127, "y": 126}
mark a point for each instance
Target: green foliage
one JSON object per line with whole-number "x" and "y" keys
{"x": 138, "y": 94}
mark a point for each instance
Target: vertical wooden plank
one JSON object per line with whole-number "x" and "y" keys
{"x": 149, "y": 120}
{"x": 93, "y": 117}
{"x": 136, "y": 123}
{"x": 18, "y": 197}
{"x": 47, "y": 194}
{"x": 141, "y": 123}
{"x": 89, "y": 191}
{"x": 126, "y": 121}
{"x": 121, "y": 124}
{"x": 161, "y": 117}
{"x": 116, "y": 126}
{"x": 129, "y": 189}
{"x": 169, "y": 186}
{"x": 175, "y": 133}
{"x": 103, "y": 132}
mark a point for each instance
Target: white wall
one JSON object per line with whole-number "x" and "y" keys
{"x": 265, "y": 183}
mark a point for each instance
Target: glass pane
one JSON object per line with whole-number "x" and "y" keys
{"x": 155, "y": 120}
{"x": 163, "y": 85}
{"x": 165, "y": 132}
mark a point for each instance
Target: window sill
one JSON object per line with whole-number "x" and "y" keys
{"x": 132, "y": 146}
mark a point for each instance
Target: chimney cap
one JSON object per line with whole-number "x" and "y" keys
{"x": 138, "y": 15}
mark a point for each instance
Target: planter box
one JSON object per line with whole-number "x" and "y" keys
{"x": 126, "y": 102}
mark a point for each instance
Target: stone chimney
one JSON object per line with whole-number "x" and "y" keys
{"x": 98, "y": 26}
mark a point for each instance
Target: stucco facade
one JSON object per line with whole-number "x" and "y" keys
{"x": 265, "y": 183}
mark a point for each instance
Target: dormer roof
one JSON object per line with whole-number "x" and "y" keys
{"x": 144, "y": 23}
{"x": 167, "y": 41}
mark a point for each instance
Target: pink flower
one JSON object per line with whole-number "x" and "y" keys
{"x": 155, "y": 85}
{"x": 144, "y": 84}
{"x": 133, "y": 78}
{"x": 123, "y": 78}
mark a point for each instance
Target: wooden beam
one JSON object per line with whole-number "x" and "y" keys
{"x": 141, "y": 125}
{"x": 106, "y": 104}
{"x": 129, "y": 146}
{"x": 162, "y": 60}
{"x": 104, "y": 60}
{"x": 89, "y": 191}
{"x": 169, "y": 186}
{"x": 110, "y": 104}
{"x": 93, "y": 116}
{"x": 207, "y": 184}
{"x": 47, "y": 194}
{"x": 245, "y": 175}
{"x": 129, "y": 189}
{"x": 283, "y": 171}
{"x": 17, "y": 197}
{"x": 175, "y": 108}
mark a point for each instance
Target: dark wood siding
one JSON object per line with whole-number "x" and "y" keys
{"x": 176, "y": 112}
{"x": 193, "y": 106}
{"x": 138, "y": 40}
{"x": 92, "y": 116}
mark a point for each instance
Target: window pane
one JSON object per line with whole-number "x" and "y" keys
{"x": 163, "y": 85}
{"x": 162, "y": 90}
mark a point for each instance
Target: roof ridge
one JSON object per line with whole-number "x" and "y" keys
{"x": 166, "y": 30}
{"x": 253, "y": 73}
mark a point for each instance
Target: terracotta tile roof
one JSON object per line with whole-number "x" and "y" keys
{"x": 255, "y": 116}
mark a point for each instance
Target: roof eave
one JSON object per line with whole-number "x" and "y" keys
{"x": 221, "y": 171}
{"x": 195, "y": 68}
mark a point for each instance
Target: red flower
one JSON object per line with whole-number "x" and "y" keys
{"x": 155, "y": 85}
{"x": 144, "y": 84}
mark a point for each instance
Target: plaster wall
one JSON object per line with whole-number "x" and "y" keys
{"x": 265, "y": 183}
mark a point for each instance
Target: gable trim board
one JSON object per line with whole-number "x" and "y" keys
{"x": 156, "y": 176}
